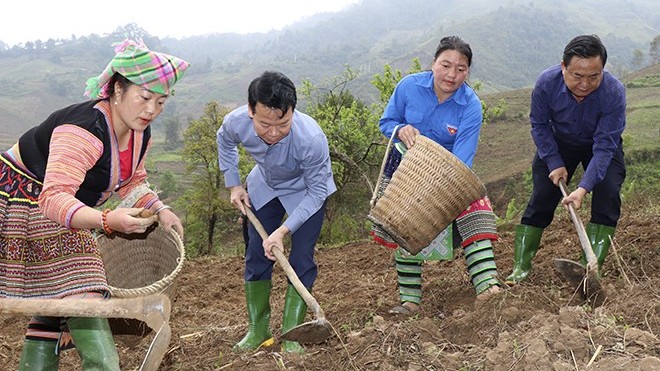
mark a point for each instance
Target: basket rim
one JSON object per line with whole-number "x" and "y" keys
{"x": 160, "y": 285}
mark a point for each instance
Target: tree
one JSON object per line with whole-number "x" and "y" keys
{"x": 654, "y": 50}
{"x": 638, "y": 58}
{"x": 206, "y": 210}
{"x": 169, "y": 186}
{"x": 172, "y": 137}
{"x": 351, "y": 127}
{"x": 387, "y": 82}
{"x": 349, "y": 124}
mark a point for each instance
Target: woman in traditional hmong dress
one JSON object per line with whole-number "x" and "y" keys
{"x": 51, "y": 182}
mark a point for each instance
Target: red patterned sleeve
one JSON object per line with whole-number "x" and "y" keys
{"x": 73, "y": 152}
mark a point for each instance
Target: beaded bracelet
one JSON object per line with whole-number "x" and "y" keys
{"x": 104, "y": 222}
{"x": 164, "y": 207}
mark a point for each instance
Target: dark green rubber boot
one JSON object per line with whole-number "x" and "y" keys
{"x": 94, "y": 343}
{"x": 527, "y": 243}
{"x": 257, "y": 296}
{"x": 295, "y": 309}
{"x": 39, "y": 355}
{"x": 600, "y": 238}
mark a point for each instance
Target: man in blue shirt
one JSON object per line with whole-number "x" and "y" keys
{"x": 578, "y": 113}
{"x": 292, "y": 176}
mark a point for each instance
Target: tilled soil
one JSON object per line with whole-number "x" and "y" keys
{"x": 541, "y": 324}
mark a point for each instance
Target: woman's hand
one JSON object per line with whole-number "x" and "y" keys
{"x": 407, "y": 135}
{"x": 128, "y": 220}
{"x": 169, "y": 220}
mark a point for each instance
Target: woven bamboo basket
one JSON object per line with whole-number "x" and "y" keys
{"x": 140, "y": 265}
{"x": 429, "y": 189}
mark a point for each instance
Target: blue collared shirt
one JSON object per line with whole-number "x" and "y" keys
{"x": 297, "y": 169}
{"x": 454, "y": 124}
{"x": 597, "y": 122}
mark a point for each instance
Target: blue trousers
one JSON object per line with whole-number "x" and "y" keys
{"x": 606, "y": 195}
{"x": 303, "y": 241}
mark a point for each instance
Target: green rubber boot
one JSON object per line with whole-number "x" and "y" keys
{"x": 527, "y": 243}
{"x": 94, "y": 343}
{"x": 295, "y": 309}
{"x": 257, "y": 296}
{"x": 39, "y": 355}
{"x": 600, "y": 238}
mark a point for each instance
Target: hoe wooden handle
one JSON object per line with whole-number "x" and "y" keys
{"x": 592, "y": 261}
{"x": 288, "y": 270}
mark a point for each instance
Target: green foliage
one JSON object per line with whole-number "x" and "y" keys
{"x": 169, "y": 186}
{"x": 345, "y": 228}
{"x": 352, "y": 130}
{"x": 207, "y": 208}
{"x": 172, "y": 136}
{"x": 493, "y": 113}
{"x": 654, "y": 50}
{"x": 387, "y": 82}
{"x": 350, "y": 125}
{"x": 512, "y": 213}
{"x": 641, "y": 184}
{"x": 644, "y": 81}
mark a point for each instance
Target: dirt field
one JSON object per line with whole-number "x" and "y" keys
{"x": 539, "y": 325}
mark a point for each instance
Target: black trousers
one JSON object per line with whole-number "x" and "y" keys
{"x": 606, "y": 195}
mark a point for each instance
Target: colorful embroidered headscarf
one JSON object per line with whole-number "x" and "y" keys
{"x": 155, "y": 71}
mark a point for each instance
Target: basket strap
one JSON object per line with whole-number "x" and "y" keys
{"x": 382, "y": 167}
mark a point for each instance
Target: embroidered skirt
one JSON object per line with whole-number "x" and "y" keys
{"x": 40, "y": 258}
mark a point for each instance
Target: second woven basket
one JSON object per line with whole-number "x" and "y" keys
{"x": 429, "y": 189}
{"x": 139, "y": 265}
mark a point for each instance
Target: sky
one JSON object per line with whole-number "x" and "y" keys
{"x": 28, "y": 20}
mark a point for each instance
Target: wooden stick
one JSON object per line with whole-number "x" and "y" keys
{"x": 154, "y": 310}
{"x": 592, "y": 261}
{"x": 288, "y": 270}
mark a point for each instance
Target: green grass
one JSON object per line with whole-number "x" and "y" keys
{"x": 644, "y": 81}
{"x": 164, "y": 157}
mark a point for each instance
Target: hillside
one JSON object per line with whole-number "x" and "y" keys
{"x": 539, "y": 325}
{"x": 512, "y": 42}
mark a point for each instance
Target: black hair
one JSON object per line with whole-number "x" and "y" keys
{"x": 454, "y": 43}
{"x": 585, "y": 46}
{"x": 124, "y": 83}
{"x": 273, "y": 90}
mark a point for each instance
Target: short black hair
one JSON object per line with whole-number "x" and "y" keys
{"x": 585, "y": 46}
{"x": 273, "y": 90}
